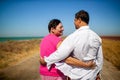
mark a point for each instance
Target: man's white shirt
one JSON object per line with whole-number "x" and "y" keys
{"x": 83, "y": 44}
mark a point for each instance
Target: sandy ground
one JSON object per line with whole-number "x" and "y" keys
{"x": 28, "y": 69}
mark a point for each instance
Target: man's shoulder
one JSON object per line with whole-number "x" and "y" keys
{"x": 94, "y": 35}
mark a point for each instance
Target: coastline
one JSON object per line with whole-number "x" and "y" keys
{"x": 3, "y": 39}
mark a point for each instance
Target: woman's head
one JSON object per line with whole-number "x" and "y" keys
{"x": 55, "y": 27}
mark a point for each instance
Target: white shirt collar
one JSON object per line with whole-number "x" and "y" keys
{"x": 83, "y": 27}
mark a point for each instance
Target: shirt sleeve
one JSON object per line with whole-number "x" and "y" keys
{"x": 95, "y": 52}
{"x": 99, "y": 60}
{"x": 62, "y": 52}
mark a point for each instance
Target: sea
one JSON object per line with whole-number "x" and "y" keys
{"x": 3, "y": 39}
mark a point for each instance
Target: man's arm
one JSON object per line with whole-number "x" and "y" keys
{"x": 62, "y": 52}
{"x": 73, "y": 61}
{"x": 42, "y": 61}
{"x": 95, "y": 52}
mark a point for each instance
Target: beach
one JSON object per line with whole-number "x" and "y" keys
{"x": 20, "y": 60}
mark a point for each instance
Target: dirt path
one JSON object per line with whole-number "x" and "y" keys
{"x": 109, "y": 72}
{"x": 28, "y": 69}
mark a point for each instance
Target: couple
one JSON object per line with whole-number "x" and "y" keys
{"x": 79, "y": 56}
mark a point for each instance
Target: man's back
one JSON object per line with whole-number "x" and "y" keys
{"x": 87, "y": 40}
{"x": 87, "y": 46}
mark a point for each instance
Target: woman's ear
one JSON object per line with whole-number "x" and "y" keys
{"x": 52, "y": 30}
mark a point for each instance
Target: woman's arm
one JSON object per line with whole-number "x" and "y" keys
{"x": 77, "y": 62}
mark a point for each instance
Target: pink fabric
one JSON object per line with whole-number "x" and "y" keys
{"x": 53, "y": 78}
{"x": 48, "y": 46}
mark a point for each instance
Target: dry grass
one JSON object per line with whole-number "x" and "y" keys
{"x": 111, "y": 51}
{"x": 13, "y": 51}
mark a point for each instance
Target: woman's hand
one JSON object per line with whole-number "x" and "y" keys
{"x": 76, "y": 62}
{"x": 90, "y": 64}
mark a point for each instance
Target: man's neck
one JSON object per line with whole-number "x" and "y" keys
{"x": 83, "y": 24}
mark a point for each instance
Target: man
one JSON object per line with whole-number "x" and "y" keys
{"x": 85, "y": 45}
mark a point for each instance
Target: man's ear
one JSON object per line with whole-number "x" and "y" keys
{"x": 79, "y": 20}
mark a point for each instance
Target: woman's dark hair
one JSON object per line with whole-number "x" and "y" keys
{"x": 53, "y": 23}
{"x": 83, "y": 15}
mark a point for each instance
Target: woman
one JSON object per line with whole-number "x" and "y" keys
{"x": 48, "y": 45}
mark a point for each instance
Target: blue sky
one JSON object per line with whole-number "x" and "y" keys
{"x": 31, "y": 17}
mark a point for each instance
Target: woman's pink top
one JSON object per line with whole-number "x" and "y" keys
{"x": 48, "y": 46}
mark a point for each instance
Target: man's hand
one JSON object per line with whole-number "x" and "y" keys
{"x": 42, "y": 61}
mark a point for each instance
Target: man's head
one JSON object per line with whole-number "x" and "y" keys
{"x": 81, "y": 18}
{"x": 55, "y": 27}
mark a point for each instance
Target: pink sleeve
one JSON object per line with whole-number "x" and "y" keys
{"x": 57, "y": 40}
